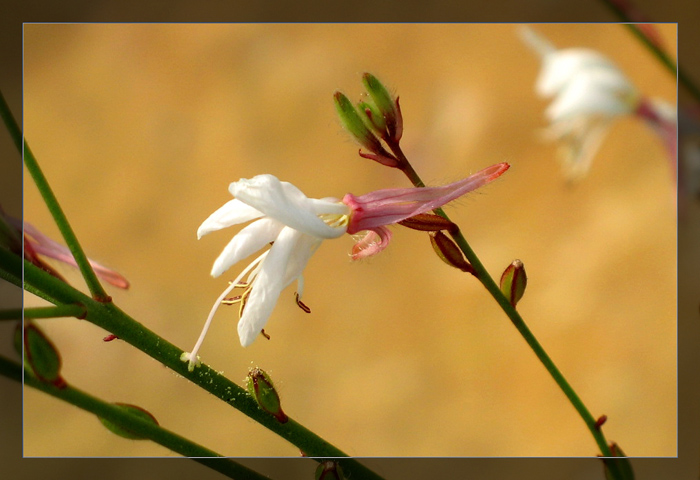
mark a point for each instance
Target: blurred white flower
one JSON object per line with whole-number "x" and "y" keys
{"x": 589, "y": 92}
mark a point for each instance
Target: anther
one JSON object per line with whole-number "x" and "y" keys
{"x": 302, "y": 305}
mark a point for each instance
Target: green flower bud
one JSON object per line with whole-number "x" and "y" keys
{"x": 373, "y": 118}
{"x": 124, "y": 431}
{"x": 329, "y": 471}
{"x": 385, "y": 103}
{"x": 514, "y": 281}
{"x": 263, "y": 391}
{"x": 42, "y": 356}
{"x": 449, "y": 252}
{"x": 355, "y": 125}
{"x": 621, "y": 464}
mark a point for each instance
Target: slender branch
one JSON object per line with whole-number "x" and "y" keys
{"x": 60, "y": 311}
{"x": 656, "y": 50}
{"x": 10, "y": 123}
{"x": 112, "y": 319}
{"x": 51, "y": 201}
{"x": 137, "y": 425}
{"x": 490, "y": 285}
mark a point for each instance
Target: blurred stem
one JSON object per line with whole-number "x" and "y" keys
{"x": 10, "y": 123}
{"x": 135, "y": 424}
{"x": 115, "y": 321}
{"x": 655, "y": 49}
{"x": 482, "y": 274}
{"x": 59, "y": 217}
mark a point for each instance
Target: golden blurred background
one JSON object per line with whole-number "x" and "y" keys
{"x": 141, "y": 127}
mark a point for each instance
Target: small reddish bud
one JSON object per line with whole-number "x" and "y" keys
{"x": 601, "y": 420}
{"x": 109, "y": 338}
{"x": 427, "y": 222}
{"x": 449, "y": 252}
{"x": 514, "y": 281}
{"x": 263, "y": 391}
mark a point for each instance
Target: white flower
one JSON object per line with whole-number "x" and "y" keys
{"x": 284, "y": 216}
{"x": 589, "y": 92}
{"x": 295, "y": 226}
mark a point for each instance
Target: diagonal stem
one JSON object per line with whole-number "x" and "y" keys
{"x": 656, "y": 50}
{"x": 485, "y": 278}
{"x": 51, "y": 201}
{"x": 112, "y": 319}
{"x": 137, "y": 425}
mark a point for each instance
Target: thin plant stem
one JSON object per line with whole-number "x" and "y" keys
{"x": 115, "y": 321}
{"x": 54, "y": 207}
{"x": 485, "y": 278}
{"x": 10, "y": 123}
{"x": 656, "y": 50}
{"x": 59, "y": 311}
{"x": 134, "y": 424}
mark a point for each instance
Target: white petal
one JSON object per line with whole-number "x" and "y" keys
{"x": 267, "y": 287}
{"x": 249, "y": 240}
{"x": 287, "y": 204}
{"x": 537, "y": 42}
{"x": 306, "y": 246}
{"x": 599, "y": 91}
{"x": 231, "y": 213}
{"x": 562, "y": 66}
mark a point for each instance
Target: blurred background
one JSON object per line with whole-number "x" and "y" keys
{"x": 141, "y": 127}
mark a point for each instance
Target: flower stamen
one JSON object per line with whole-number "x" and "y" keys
{"x": 302, "y": 305}
{"x": 192, "y": 357}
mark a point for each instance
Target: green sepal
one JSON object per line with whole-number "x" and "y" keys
{"x": 41, "y": 355}
{"x": 124, "y": 431}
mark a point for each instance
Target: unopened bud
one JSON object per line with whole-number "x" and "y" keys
{"x": 263, "y": 391}
{"x": 514, "y": 281}
{"x": 449, "y": 252}
{"x": 42, "y": 356}
{"x": 355, "y": 125}
{"x": 620, "y": 464}
{"x": 374, "y": 119}
{"x": 385, "y": 103}
{"x": 329, "y": 471}
{"x": 124, "y": 431}
{"x": 427, "y": 222}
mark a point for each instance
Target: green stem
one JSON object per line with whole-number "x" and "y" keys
{"x": 10, "y": 123}
{"x": 137, "y": 425}
{"x": 485, "y": 278}
{"x": 51, "y": 201}
{"x": 656, "y": 50}
{"x": 112, "y": 319}
{"x": 60, "y": 311}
